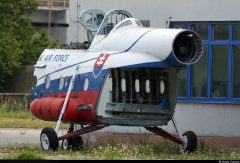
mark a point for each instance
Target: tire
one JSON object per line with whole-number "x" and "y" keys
{"x": 189, "y": 142}
{"x": 66, "y": 144}
{"x": 77, "y": 143}
{"x": 49, "y": 139}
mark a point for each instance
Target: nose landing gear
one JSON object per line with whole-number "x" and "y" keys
{"x": 49, "y": 139}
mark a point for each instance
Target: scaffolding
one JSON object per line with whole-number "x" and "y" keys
{"x": 54, "y": 3}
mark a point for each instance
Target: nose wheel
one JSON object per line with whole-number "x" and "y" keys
{"x": 49, "y": 139}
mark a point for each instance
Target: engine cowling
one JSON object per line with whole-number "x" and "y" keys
{"x": 187, "y": 47}
{"x": 176, "y": 47}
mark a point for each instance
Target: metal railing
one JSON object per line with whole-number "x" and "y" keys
{"x": 54, "y": 3}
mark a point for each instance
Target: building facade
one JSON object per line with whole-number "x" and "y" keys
{"x": 52, "y": 15}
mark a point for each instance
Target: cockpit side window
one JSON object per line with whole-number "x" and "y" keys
{"x": 127, "y": 23}
{"x": 138, "y": 23}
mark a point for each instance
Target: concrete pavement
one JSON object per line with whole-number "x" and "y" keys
{"x": 13, "y": 137}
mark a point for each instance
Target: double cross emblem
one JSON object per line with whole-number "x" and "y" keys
{"x": 98, "y": 66}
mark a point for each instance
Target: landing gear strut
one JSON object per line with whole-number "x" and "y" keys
{"x": 188, "y": 140}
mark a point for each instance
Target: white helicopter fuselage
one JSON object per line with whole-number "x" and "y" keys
{"x": 126, "y": 48}
{"x": 127, "y": 77}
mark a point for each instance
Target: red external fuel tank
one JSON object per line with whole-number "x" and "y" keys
{"x": 49, "y": 109}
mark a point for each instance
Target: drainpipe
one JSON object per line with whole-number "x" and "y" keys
{"x": 49, "y": 18}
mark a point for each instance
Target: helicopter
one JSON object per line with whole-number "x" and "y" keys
{"x": 124, "y": 75}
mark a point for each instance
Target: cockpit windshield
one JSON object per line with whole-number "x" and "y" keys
{"x": 127, "y": 22}
{"x": 111, "y": 19}
{"x": 124, "y": 24}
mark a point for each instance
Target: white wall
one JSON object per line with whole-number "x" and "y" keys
{"x": 209, "y": 119}
{"x": 75, "y": 31}
{"x": 158, "y": 11}
{"x": 203, "y": 119}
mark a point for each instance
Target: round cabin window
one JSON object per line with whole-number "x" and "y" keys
{"x": 61, "y": 83}
{"x": 85, "y": 84}
{"x": 47, "y": 82}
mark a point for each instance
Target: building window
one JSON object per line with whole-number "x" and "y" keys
{"x": 236, "y": 32}
{"x": 202, "y": 30}
{"x": 219, "y": 73}
{"x": 236, "y": 72}
{"x": 199, "y": 76}
{"x": 182, "y": 82}
{"x": 179, "y": 25}
{"x": 215, "y": 78}
{"x": 220, "y": 32}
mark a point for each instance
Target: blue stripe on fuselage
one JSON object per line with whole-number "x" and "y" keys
{"x": 149, "y": 65}
{"x": 94, "y": 84}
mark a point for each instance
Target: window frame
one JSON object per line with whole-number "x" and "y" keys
{"x": 210, "y": 43}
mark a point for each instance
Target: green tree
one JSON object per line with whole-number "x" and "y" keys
{"x": 20, "y": 43}
{"x": 13, "y": 28}
{"x": 34, "y": 46}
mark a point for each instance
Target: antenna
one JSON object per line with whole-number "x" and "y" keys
{"x": 168, "y": 22}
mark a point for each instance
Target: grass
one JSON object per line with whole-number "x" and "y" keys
{"x": 137, "y": 149}
{"x": 18, "y": 117}
{"x": 113, "y": 151}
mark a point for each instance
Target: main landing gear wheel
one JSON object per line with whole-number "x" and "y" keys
{"x": 189, "y": 142}
{"x": 49, "y": 139}
{"x": 66, "y": 144}
{"x": 76, "y": 143}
